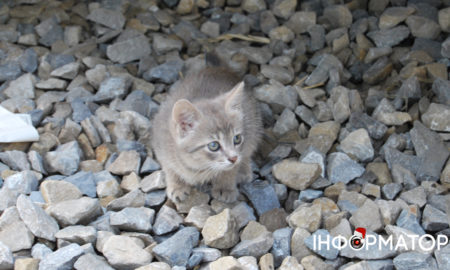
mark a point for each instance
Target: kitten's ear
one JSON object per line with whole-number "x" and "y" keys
{"x": 235, "y": 97}
{"x": 185, "y": 116}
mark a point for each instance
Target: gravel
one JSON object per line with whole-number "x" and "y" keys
{"x": 355, "y": 103}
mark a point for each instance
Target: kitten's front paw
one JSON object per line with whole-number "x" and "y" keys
{"x": 225, "y": 195}
{"x": 178, "y": 194}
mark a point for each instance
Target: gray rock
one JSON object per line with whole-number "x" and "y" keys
{"x": 317, "y": 33}
{"x": 434, "y": 219}
{"x": 36, "y": 219}
{"x": 378, "y": 72}
{"x": 281, "y": 245}
{"x": 258, "y": 55}
{"x": 91, "y": 132}
{"x": 49, "y": 31}
{"x": 325, "y": 63}
{"x": 107, "y": 17}
{"x": 409, "y": 162}
{"x": 135, "y": 198}
{"x": 442, "y": 257}
{"x": 278, "y": 73}
{"x": 7, "y": 198}
{"x": 416, "y": 196}
{"x": 262, "y": 196}
{"x": 71, "y": 212}
{"x": 300, "y": 21}
{"x": 68, "y": 71}
{"x": 393, "y": 16}
{"x": 80, "y": 110}
{"x": 9, "y": 71}
{"x": 431, "y": 150}
{"x": 63, "y": 258}
{"x": 112, "y": 87}
{"x": 177, "y": 249}
{"x": 16, "y": 160}
{"x": 436, "y": 117}
{"x": 243, "y": 214}
{"x": 137, "y": 101}
{"x": 129, "y": 50}
{"x": 133, "y": 219}
{"x": 39, "y": 251}
{"x": 313, "y": 155}
{"x": 338, "y": 16}
{"x": 6, "y": 257}
{"x": 85, "y": 182}
{"x": 207, "y": 254}
{"x": 358, "y": 144}
{"x": 220, "y": 231}
{"x": 422, "y": 27}
{"x": 255, "y": 247}
{"x": 122, "y": 252}
{"x": 408, "y": 220}
{"x": 126, "y": 162}
{"x": 389, "y": 37}
{"x": 91, "y": 261}
{"x": 431, "y": 47}
{"x": 29, "y": 61}
{"x": 167, "y": 220}
{"x": 24, "y": 182}
{"x": 367, "y": 216}
{"x": 253, "y": 5}
{"x": 13, "y": 232}
{"x": 391, "y": 190}
{"x": 65, "y": 159}
{"x": 284, "y": 8}
{"x": 414, "y": 260}
{"x": 276, "y": 93}
{"x": 287, "y": 121}
{"x": 341, "y": 168}
{"x": 267, "y": 21}
{"x": 162, "y": 44}
{"x": 321, "y": 248}
{"x": 439, "y": 88}
{"x": 306, "y": 115}
{"x": 155, "y": 198}
{"x": 78, "y": 234}
{"x": 36, "y": 162}
{"x": 445, "y": 49}
{"x": 361, "y": 120}
{"x": 166, "y": 73}
{"x": 150, "y": 165}
{"x": 309, "y": 195}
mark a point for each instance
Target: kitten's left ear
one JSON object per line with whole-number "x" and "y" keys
{"x": 234, "y": 98}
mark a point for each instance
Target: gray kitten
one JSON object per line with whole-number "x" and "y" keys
{"x": 206, "y": 131}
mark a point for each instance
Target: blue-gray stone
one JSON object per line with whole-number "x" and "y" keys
{"x": 409, "y": 162}
{"x": 348, "y": 206}
{"x": 281, "y": 245}
{"x": 51, "y": 32}
{"x": 309, "y": 195}
{"x": 440, "y": 89}
{"x": 438, "y": 201}
{"x": 39, "y": 251}
{"x": 376, "y": 251}
{"x": 150, "y": 165}
{"x": 137, "y": 101}
{"x": 24, "y": 182}
{"x": 155, "y": 198}
{"x": 80, "y": 110}
{"x": 171, "y": 3}
{"x": 432, "y": 47}
{"x": 111, "y": 88}
{"x": 85, "y": 182}
{"x": 341, "y": 168}
{"x": 408, "y": 220}
{"x": 29, "y": 61}
{"x": 434, "y": 219}
{"x": 432, "y": 151}
{"x": 415, "y": 261}
{"x": 16, "y": 160}
{"x": 62, "y": 259}
{"x": 36, "y": 116}
{"x": 391, "y": 190}
{"x": 313, "y": 155}
{"x": 9, "y": 71}
{"x": 59, "y": 60}
{"x": 103, "y": 176}
{"x": 36, "y": 197}
{"x": 389, "y": 37}
{"x": 387, "y": 264}
{"x": 65, "y": 159}
{"x": 262, "y": 196}
{"x": 319, "y": 247}
{"x": 375, "y": 128}
{"x": 126, "y": 145}
{"x": 177, "y": 249}
{"x": 166, "y": 73}
{"x": 195, "y": 260}
{"x": 442, "y": 255}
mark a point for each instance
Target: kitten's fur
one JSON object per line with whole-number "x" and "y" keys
{"x": 209, "y": 106}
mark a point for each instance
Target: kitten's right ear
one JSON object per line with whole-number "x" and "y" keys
{"x": 185, "y": 117}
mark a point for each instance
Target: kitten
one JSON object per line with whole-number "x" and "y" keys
{"x": 206, "y": 131}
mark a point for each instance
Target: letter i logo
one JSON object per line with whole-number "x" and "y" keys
{"x": 357, "y": 240}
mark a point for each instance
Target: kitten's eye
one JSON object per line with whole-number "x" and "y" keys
{"x": 214, "y": 146}
{"x": 237, "y": 139}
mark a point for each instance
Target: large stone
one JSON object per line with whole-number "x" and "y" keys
{"x": 21, "y": 87}
{"x": 129, "y": 50}
{"x": 135, "y": 198}
{"x": 220, "y": 231}
{"x": 91, "y": 261}
{"x": 358, "y": 144}
{"x": 296, "y": 175}
{"x": 54, "y": 191}
{"x": 286, "y": 122}
{"x": 65, "y": 159}
{"x": 63, "y": 258}
{"x": 126, "y": 162}
{"x": 278, "y": 94}
{"x": 107, "y": 17}
{"x": 122, "y": 252}
{"x": 323, "y": 135}
{"x": 342, "y": 168}
{"x": 23, "y": 182}
{"x": 393, "y": 16}
{"x": 437, "y": 117}
{"x": 434, "y": 219}
{"x": 167, "y": 220}
{"x": 133, "y": 219}
{"x": 367, "y": 216}
{"x": 78, "y": 234}
{"x": 414, "y": 260}
{"x": 389, "y": 37}
{"x": 79, "y": 211}
{"x": 281, "y": 245}
{"x": 112, "y": 87}
{"x": 316, "y": 243}
{"x": 306, "y": 217}
{"x": 338, "y": 16}
{"x": 422, "y": 27}
{"x": 177, "y": 249}
{"x": 36, "y": 219}
{"x": 16, "y": 160}
{"x": 262, "y": 196}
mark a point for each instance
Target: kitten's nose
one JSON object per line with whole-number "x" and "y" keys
{"x": 233, "y": 159}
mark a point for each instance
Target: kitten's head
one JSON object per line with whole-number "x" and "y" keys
{"x": 209, "y": 134}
